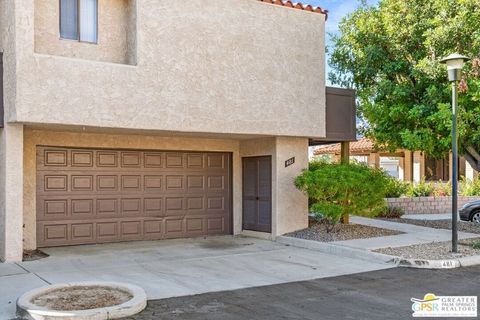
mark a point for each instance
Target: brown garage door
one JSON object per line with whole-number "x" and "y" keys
{"x": 96, "y": 196}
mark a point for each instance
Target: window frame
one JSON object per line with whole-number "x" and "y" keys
{"x": 78, "y": 23}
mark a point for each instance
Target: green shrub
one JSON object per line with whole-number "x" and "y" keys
{"x": 391, "y": 212}
{"x": 421, "y": 189}
{"x": 443, "y": 189}
{"x": 476, "y": 245}
{"x": 356, "y": 188}
{"x": 396, "y": 188}
{"x": 470, "y": 188}
{"x": 329, "y": 214}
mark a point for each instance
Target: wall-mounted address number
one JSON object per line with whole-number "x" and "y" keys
{"x": 289, "y": 162}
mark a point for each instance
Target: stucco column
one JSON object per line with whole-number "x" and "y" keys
{"x": 11, "y": 192}
{"x": 291, "y": 212}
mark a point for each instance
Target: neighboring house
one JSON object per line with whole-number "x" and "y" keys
{"x": 141, "y": 120}
{"x": 402, "y": 164}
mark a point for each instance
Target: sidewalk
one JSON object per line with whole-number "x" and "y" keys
{"x": 412, "y": 235}
{"x": 434, "y": 216}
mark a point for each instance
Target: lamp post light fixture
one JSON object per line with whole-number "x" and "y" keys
{"x": 454, "y": 64}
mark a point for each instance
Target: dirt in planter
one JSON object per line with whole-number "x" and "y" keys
{"x": 82, "y": 298}
{"x": 318, "y": 232}
{"x": 32, "y": 255}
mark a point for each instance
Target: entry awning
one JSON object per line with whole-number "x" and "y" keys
{"x": 341, "y": 121}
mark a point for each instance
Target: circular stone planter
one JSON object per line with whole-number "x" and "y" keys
{"x": 42, "y": 304}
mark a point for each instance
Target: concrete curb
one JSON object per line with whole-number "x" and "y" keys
{"x": 355, "y": 253}
{"x": 337, "y": 250}
{"x": 29, "y": 311}
{"x": 438, "y": 264}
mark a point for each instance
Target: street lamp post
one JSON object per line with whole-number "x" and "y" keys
{"x": 454, "y": 64}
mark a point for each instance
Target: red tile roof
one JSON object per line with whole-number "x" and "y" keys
{"x": 363, "y": 145}
{"x": 298, "y": 5}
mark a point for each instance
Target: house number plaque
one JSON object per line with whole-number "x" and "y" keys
{"x": 289, "y": 162}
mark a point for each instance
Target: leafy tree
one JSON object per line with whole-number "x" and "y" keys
{"x": 337, "y": 189}
{"x": 390, "y": 54}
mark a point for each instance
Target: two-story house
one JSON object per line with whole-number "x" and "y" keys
{"x": 129, "y": 120}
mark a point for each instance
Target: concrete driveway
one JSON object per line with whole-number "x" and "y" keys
{"x": 175, "y": 268}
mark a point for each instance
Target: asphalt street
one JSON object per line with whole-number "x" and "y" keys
{"x": 373, "y": 295}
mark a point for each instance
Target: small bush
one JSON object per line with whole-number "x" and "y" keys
{"x": 443, "y": 189}
{"x": 470, "y": 188}
{"x": 355, "y": 188}
{"x": 476, "y": 245}
{"x": 421, "y": 189}
{"x": 391, "y": 212}
{"x": 396, "y": 188}
{"x": 329, "y": 214}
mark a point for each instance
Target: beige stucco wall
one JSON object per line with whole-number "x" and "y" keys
{"x": 237, "y": 66}
{"x": 9, "y": 34}
{"x": 11, "y": 195}
{"x": 2, "y": 23}
{"x": 289, "y": 206}
{"x": 115, "y": 27}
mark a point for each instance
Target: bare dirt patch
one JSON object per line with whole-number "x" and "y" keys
{"x": 434, "y": 250}
{"x": 78, "y": 298}
{"x": 318, "y": 232}
{"x": 32, "y": 255}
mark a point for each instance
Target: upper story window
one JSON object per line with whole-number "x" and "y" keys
{"x": 79, "y": 20}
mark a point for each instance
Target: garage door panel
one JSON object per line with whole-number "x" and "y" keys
{"x": 82, "y": 208}
{"x": 153, "y": 207}
{"x": 131, "y": 230}
{"x": 174, "y": 228}
{"x": 195, "y": 204}
{"x": 107, "y": 207}
{"x": 131, "y": 207}
{"x": 83, "y": 232}
{"x": 82, "y": 158}
{"x": 107, "y": 183}
{"x": 153, "y": 229}
{"x": 195, "y": 161}
{"x": 56, "y": 158}
{"x": 217, "y": 161}
{"x": 53, "y": 209}
{"x": 53, "y": 233}
{"x": 174, "y": 160}
{"x": 107, "y": 159}
{"x": 95, "y": 196}
{"x": 107, "y": 231}
{"x": 215, "y": 225}
{"x": 153, "y": 183}
{"x": 130, "y": 159}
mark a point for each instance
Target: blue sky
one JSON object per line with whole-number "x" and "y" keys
{"x": 337, "y": 10}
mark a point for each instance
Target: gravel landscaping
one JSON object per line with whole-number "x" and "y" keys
{"x": 434, "y": 250}
{"x": 463, "y": 226}
{"x": 317, "y": 232}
